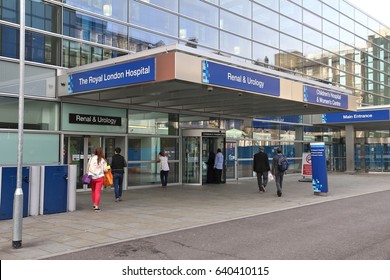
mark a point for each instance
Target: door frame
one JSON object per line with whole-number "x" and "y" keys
{"x": 202, "y": 133}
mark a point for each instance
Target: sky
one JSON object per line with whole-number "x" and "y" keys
{"x": 379, "y": 9}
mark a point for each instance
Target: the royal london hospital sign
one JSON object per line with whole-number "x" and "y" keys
{"x": 113, "y": 76}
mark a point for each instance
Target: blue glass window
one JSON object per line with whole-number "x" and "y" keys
{"x": 43, "y": 16}
{"x": 9, "y": 11}
{"x": 9, "y": 42}
{"x": 235, "y": 24}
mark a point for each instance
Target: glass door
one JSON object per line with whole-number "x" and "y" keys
{"x": 191, "y": 160}
{"x": 74, "y": 154}
{"x": 231, "y": 160}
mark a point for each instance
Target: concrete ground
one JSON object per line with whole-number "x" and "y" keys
{"x": 152, "y": 211}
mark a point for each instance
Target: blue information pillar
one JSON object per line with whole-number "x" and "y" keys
{"x": 319, "y": 173}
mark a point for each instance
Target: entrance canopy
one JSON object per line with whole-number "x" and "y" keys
{"x": 186, "y": 80}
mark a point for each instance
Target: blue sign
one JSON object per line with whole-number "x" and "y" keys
{"x": 319, "y": 173}
{"x": 325, "y": 97}
{"x": 355, "y": 117}
{"x": 226, "y": 76}
{"x": 113, "y": 76}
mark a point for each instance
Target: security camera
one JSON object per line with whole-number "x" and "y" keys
{"x": 305, "y": 105}
{"x": 63, "y": 84}
{"x": 239, "y": 94}
{"x": 210, "y": 89}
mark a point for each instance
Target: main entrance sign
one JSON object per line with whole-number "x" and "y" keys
{"x": 113, "y": 76}
{"x": 226, "y": 76}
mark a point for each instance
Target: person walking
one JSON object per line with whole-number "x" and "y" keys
{"x": 278, "y": 174}
{"x": 218, "y": 165}
{"x": 261, "y": 167}
{"x": 164, "y": 168}
{"x": 118, "y": 162}
{"x": 97, "y": 165}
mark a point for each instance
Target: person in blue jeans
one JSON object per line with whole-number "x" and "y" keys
{"x": 118, "y": 162}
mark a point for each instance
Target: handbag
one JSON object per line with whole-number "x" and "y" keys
{"x": 86, "y": 179}
{"x": 108, "y": 179}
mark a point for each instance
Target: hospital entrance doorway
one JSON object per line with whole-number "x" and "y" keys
{"x": 199, "y": 150}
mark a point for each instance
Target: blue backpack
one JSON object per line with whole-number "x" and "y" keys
{"x": 282, "y": 163}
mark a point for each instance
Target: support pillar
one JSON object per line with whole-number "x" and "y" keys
{"x": 350, "y": 148}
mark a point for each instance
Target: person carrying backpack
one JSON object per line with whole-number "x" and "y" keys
{"x": 279, "y": 167}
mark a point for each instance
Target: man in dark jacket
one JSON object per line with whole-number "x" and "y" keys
{"x": 261, "y": 167}
{"x": 118, "y": 162}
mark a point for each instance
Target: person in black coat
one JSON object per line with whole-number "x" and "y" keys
{"x": 118, "y": 163}
{"x": 261, "y": 167}
{"x": 211, "y": 176}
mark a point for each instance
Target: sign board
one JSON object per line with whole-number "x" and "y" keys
{"x": 355, "y": 117}
{"x": 95, "y": 119}
{"x": 325, "y": 97}
{"x": 306, "y": 164}
{"x": 319, "y": 172}
{"x": 113, "y": 76}
{"x": 226, "y": 76}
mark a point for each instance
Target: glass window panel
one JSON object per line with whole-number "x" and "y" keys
{"x": 9, "y": 42}
{"x": 290, "y": 10}
{"x": 39, "y": 81}
{"x": 203, "y": 34}
{"x": 9, "y": 11}
{"x": 290, "y": 44}
{"x": 312, "y": 20}
{"x": 330, "y": 14}
{"x": 361, "y": 30}
{"x": 269, "y": 3}
{"x": 312, "y": 36}
{"x": 200, "y": 11}
{"x": 170, "y": 5}
{"x": 265, "y": 16}
{"x": 142, "y": 40}
{"x": 313, "y": 6}
{"x": 312, "y": 52}
{"x": 156, "y": 20}
{"x": 142, "y": 155}
{"x": 360, "y": 17}
{"x": 38, "y": 148}
{"x": 347, "y": 9}
{"x": 262, "y": 53}
{"x": 265, "y": 35}
{"x": 331, "y": 29}
{"x": 142, "y": 122}
{"x": 347, "y": 37}
{"x": 235, "y": 45}
{"x": 235, "y": 24}
{"x": 330, "y": 44}
{"x": 373, "y": 24}
{"x": 111, "y": 8}
{"x": 242, "y": 7}
{"x": 290, "y": 27}
{"x": 291, "y": 60}
{"x": 38, "y": 115}
{"x": 43, "y": 48}
{"x": 347, "y": 23}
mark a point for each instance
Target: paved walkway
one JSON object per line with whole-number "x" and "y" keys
{"x": 151, "y": 211}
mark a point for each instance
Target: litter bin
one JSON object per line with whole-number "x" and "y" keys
{"x": 8, "y": 178}
{"x": 54, "y": 189}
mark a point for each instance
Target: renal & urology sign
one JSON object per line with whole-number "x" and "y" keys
{"x": 226, "y": 76}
